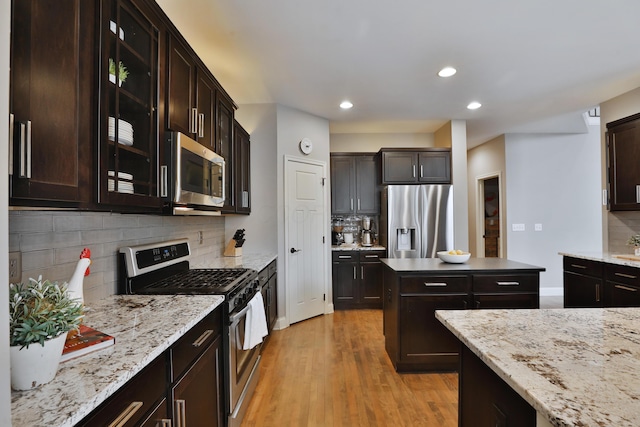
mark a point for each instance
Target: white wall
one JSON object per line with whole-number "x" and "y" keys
{"x": 553, "y": 180}
{"x": 372, "y": 142}
{"x": 5, "y": 383}
{"x": 261, "y": 227}
{"x": 292, "y": 126}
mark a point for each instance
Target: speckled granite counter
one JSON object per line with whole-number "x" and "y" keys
{"x": 254, "y": 261}
{"x": 144, "y": 327}
{"x": 604, "y": 257}
{"x": 472, "y": 265}
{"x": 357, "y": 247}
{"x": 576, "y": 367}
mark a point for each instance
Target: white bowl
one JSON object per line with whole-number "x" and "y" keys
{"x": 453, "y": 259}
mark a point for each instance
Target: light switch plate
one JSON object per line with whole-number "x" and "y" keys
{"x": 15, "y": 267}
{"x": 517, "y": 227}
{"x": 537, "y": 227}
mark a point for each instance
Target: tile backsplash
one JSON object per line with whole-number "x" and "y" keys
{"x": 51, "y": 242}
{"x": 622, "y": 225}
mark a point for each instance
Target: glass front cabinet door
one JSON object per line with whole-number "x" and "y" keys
{"x": 129, "y": 141}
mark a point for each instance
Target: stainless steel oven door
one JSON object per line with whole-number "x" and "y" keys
{"x": 243, "y": 366}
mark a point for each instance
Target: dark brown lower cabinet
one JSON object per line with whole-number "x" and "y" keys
{"x": 583, "y": 283}
{"x": 486, "y": 400}
{"x": 196, "y": 397}
{"x": 357, "y": 279}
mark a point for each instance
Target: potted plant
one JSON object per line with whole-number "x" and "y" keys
{"x": 635, "y": 242}
{"x": 123, "y": 73}
{"x": 41, "y": 314}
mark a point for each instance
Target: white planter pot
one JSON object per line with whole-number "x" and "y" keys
{"x": 36, "y": 365}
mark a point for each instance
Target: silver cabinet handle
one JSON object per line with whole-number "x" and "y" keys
{"x": 11, "y": 125}
{"x": 637, "y": 193}
{"x": 371, "y": 256}
{"x": 361, "y": 272}
{"x": 201, "y": 125}
{"x": 598, "y": 292}
{"x": 344, "y": 256}
{"x": 434, "y": 284}
{"x": 354, "y": 272}
{"x": 194, "y": 121}
{"x": 421, "y": 171}
{"x": 508, "y": 283}
{"x": 28, "y": 149}
{"x": 351, "y": 204}
{"x": 126, "y": 415}
{"x": 202, "y": 338}
{"x": 626, "y": 288}
{"x": 579, "y": 266}
{"x": 628, "y": 276}
{"x": 414, "y": 171}
{"x": 358, "y": 204}
{"x": 181, "y": 412}
{"x": 164, "y": 184}
{"x": 163, "y": 423}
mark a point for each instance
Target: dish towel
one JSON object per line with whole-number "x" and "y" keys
{"x": 255, "y": 326}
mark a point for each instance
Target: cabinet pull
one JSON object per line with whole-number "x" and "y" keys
{"x": 11, "y": 125}
{"x": 508, "y": 283}
{"x": 358, "y": 204}
{"x": 181, "y": 413}
{"x": 598, "y": 292}
{"x": 584, "y": 267}
{"x": 206, "y": 334}
{"x": 628, "y": 276}
{"x": 354, "y": 272}
{"x": 163, "y": 423}
{"x": 421, "y": 171}
{"x": 201, "y": 125}
{"x": 25, "y": 149}
{"x": 626, "y": 288}
{"x": 637, "y": 193}
{"x": 371, "y": 256}
{"x": 163, "y": 181}
{"x": 344, "y": 256}
{"x": 351, "y": 204}
{"x": 28, "y": 154}
{"x": 477, "y": 304}
{"x": 361, "y": 272}
{"x": 414, "y": 171}
{"x": 434, "y": 284}
{"x": 126, "y": 415}
{"x": 194, "y": 121}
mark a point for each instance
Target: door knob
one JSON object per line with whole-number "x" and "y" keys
{"x": 294, "y": 250}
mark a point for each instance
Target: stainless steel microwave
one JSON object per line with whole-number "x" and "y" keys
{"x": 193, "y": 179}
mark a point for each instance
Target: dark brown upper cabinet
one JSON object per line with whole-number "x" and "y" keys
{"x": 412, "y": 166}
{"x": 52, "y": 114}
{"x": 129, "y": 98}
{"x": 354, "y": 184}
{"x": 623, "y": 142}
{"x": 224, "y": 147}
{"x": 242, "y": 167}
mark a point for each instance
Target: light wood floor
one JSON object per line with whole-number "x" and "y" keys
{"x": 332, "y": 370}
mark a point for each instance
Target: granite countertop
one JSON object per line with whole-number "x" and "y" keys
{"x": 254, "y": 261}
{"x": 405, "y": 265}
{"x": 357, "y": 247}
{"x": 605, "y": 257}
{"x": 576, "y": 367}
{"x": 144, "y": 327}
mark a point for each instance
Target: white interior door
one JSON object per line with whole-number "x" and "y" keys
{"x": 305, "y": 212}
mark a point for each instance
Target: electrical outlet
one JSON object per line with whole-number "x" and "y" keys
{"x": 15, "y": 267}
{"x": 517, "y": 227}
{"x": 200, "y": 237}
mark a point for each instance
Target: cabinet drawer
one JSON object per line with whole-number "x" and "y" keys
{"x": 583, "y": 266}
{"x": 371, "y": 256}
{"x": 344, "y": 256}
{"x": 622, "y": 274}
{"x": 434, "y": 284}
{"x": 273, "y": 268}
{"x": 263, "y": 276}
{"x": 187, "y": 348}
{"x": 504, "y": 283}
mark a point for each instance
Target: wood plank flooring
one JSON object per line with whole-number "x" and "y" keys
{"x": 332, "y": 370}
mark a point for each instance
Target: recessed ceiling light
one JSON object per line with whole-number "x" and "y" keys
{"x": 447, "y": 72}
{"x": 345, "y": 105}
{"x": 474, "y": 105}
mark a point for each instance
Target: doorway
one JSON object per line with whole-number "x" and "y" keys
{"x": 305, "y": 228}
{"x": 489, "y": 217}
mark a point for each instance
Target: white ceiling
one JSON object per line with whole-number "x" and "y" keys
{"x": 535, "y": 65}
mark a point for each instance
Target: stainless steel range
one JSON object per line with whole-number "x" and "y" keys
{"x": 163, "y": 268}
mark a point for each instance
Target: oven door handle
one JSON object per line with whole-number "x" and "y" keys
{"x": 233, "y": 318}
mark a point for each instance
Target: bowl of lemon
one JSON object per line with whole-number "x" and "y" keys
{"x": 454, "y": 256}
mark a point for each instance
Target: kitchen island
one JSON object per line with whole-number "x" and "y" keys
{"x": 574, "y": 367}
{"x": 143, "y": 326}
{"x": 415, "y": 287}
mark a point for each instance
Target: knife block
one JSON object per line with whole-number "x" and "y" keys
{"x": 231, "y": 249}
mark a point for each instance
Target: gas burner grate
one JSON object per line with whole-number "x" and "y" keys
{"x": 212, "y": 278}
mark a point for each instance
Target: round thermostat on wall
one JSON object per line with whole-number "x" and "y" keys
{"x": 306, "y": 146}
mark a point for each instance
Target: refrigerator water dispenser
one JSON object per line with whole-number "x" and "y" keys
{"x": 405, "y": 238}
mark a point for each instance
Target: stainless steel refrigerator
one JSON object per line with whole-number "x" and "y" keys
{"x": 416, "y": 220}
